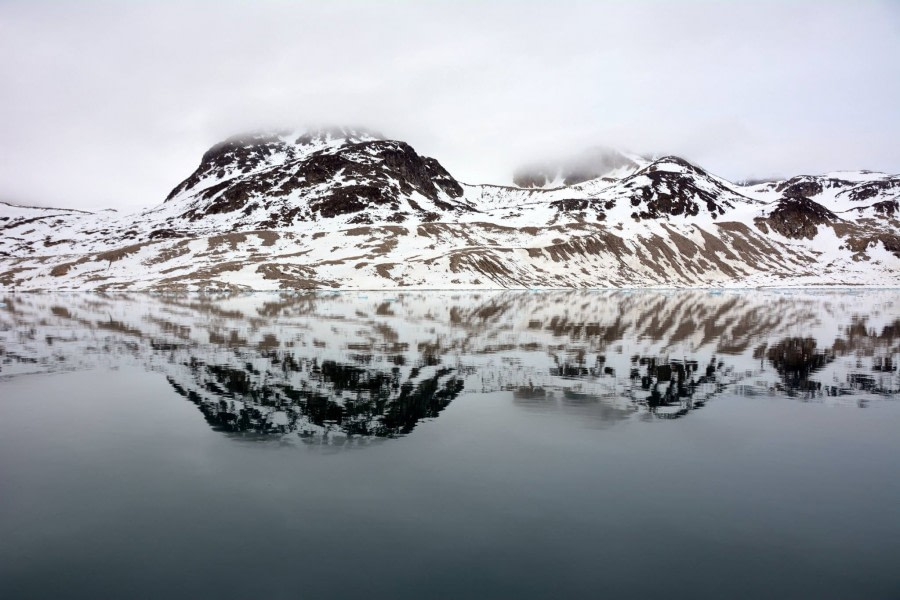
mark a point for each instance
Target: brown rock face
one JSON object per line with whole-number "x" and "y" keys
{"x": 799, "y": 218}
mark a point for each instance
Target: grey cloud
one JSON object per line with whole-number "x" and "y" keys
{"x": 111, "y": 104}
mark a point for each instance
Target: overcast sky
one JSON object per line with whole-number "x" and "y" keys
{"x": 106, "y": 104}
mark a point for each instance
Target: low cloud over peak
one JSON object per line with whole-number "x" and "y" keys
{"x": 110, "y": 105}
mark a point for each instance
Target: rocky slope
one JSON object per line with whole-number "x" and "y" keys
{"x": 342, "y": 208}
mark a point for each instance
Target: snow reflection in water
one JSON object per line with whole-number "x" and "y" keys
{"x": 350, "y": 368}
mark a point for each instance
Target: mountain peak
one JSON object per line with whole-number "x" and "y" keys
{"x": 269, "y": 179}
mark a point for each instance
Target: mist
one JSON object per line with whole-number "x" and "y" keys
{"x": 110, "y": 105}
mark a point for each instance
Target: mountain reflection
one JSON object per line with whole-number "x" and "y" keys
{"x": 334, "y": 401}
{"x": 349, "y": 368}
{"x": 796, "y": 359}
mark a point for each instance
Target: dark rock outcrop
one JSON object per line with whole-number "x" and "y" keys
{"x": 799, "y": 218}
{"x": 805, "y": 188}
{"x": 887, "y": 207}
{"x": 874, "y": 188}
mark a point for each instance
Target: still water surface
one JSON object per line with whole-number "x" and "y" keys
{"x": 450, "y": 445}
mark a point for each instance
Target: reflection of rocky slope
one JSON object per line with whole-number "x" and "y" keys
{"x": 346, "y": 367}
{"x": 314, "y": 400}
{"x": 346, "y": 208}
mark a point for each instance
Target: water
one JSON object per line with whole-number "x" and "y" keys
{"x": 450, "y": 445}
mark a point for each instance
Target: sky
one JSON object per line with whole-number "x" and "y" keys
{"x": 111, "y": 104}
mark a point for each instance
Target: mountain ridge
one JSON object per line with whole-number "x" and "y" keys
{"x": 348, "y": 208}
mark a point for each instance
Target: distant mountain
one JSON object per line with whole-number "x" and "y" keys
{"x": 346, "y": 208}
{"x": 594, "y": 163}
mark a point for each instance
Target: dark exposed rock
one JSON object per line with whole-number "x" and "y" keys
{"x": 578, "y": 207}
{"x": 874, "y": 188}
{"x": 807, "y": 186}
{"x": 572, "y": 204}
{"x": 810, "y": 185}
{"x": 801, "y": 189}
{"x": 799, "y": 217}
{"x": 349, "y": 199}
{"x": 162, "y": 234}
{"x": 887, "y": 207}
{"x": 441, "y": 178}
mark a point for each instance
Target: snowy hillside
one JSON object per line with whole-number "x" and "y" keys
{"x": 342, "y": 208}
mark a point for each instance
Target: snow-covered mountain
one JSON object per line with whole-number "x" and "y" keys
{"x": 344, "y": 208}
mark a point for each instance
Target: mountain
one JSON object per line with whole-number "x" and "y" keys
{"x": 347, "y": 208}
{"x": 282, "y": 179}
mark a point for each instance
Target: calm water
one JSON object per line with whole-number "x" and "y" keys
{"x": 451, "y": 445}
